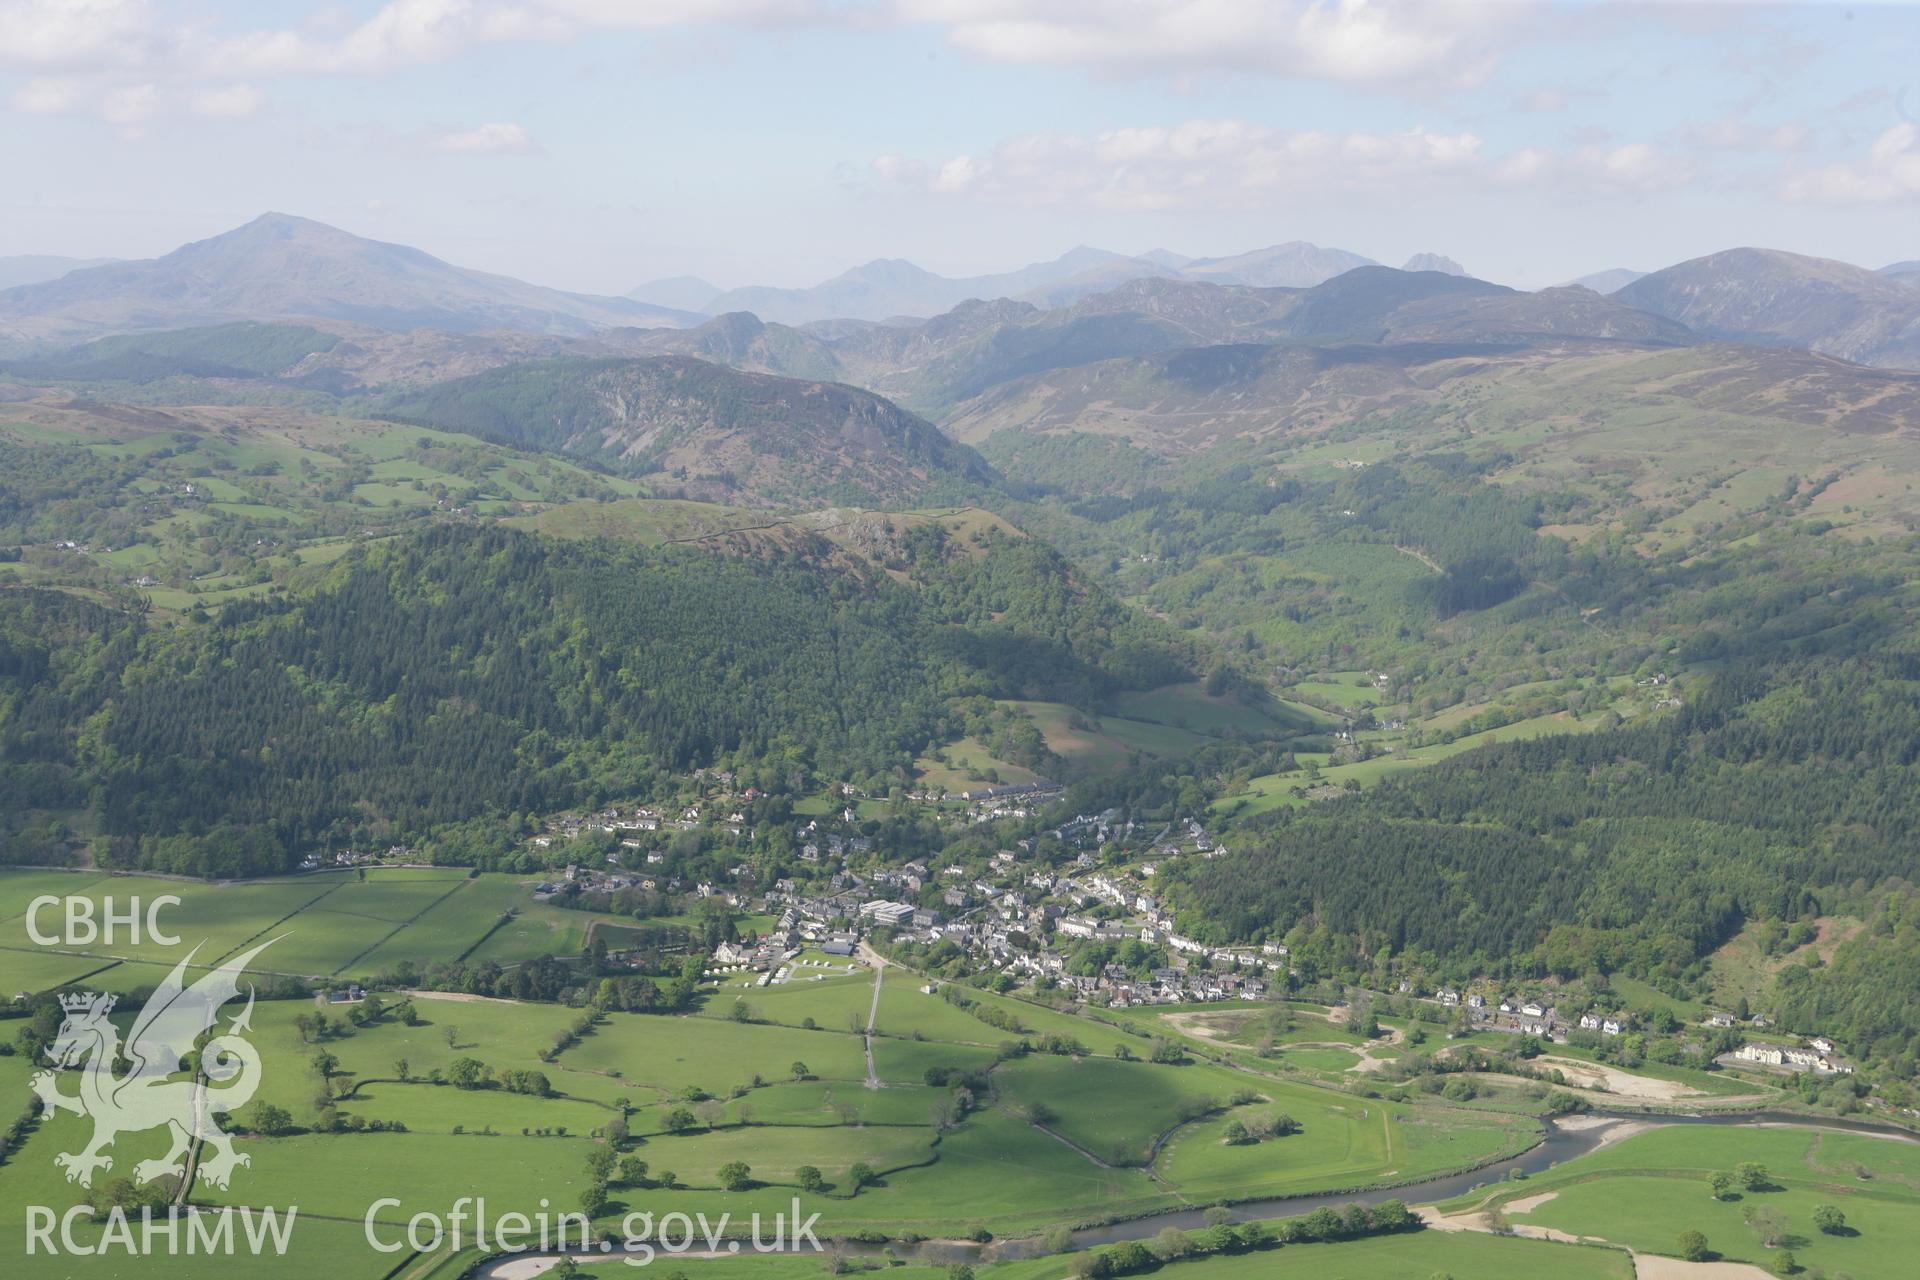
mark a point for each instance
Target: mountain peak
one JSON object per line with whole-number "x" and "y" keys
{"x": 1612, "y": 280}
{"x": 1434, "y": 262}
{"x": 1295, "y": 264}
{"x": 280, "y": 266}
{"x": 1777, "y": 298}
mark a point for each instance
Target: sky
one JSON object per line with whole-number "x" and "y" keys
{"x": 596, "y": 144}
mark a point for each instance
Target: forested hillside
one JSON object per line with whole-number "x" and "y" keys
{"x": 716, "y": 432}
{"x": 467, "y": 671}
{"x": 1782, "y": 792}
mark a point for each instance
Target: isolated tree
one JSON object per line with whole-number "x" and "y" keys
{"x": 678, "y": 1120}
{"x": 593, "y": 1200}
{"x": 403, "y": 1068}
{"x": 453, "y": 1036}
{"x": 735, "y": 1175}
{"x": 800, "y": 1071}
{"x": 1693, "y": 1246}
{"x": 1720, "y": 1182}
{"x": 860, "y": 1175}
{"x": 810, "y": 1178}
{"x": 633, "y": 1171}
{"x": 1752, "y": 1175}
{"x": 1830, "y": 1220}
{"x": 270, "y": 1119}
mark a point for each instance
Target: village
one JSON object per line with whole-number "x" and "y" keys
{"x": 1062, "y": 910}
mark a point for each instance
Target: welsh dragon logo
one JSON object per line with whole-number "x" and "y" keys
{"x": 145, "y": 1096}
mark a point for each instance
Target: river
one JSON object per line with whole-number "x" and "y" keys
{"x": 1562, "y": 1142}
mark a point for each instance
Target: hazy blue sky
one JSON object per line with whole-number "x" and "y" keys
{"x": 594, "y": 144}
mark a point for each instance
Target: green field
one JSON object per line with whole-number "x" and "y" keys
{"x": 321, "y": 925}
{"x": 1041, "y": 1139}
{"x": 1645, "y": 1191}
{"x": 1273, "y": 791}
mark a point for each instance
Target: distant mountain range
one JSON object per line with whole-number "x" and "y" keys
{"x": 749, "y": 412}
{"x": 280, "y": 267}
{"x": 1611, "y": 280}
{"x": 890, "y": 288}
{"x": 1785, "y": 299}
{"x": 32, "y": 268}
{"x": 1180, "y": 402}
{"x": 934, "y": 366}
{"x": 403, "y": 317}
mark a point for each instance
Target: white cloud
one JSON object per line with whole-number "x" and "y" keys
{"x": 491, "y": 138}
{"x": 1625, "y": 168}
{"x": 234, "y": 102}
{"x": 117, "y": 60}
{"x": 1888, "y": 173}
{"x": 1356, "y": 41}
{"x": 1634, "y": 164}
{"x": 672, "y": 13}
{"x": 72, "y": 33}
{"x": 118, "y": 100}
{"x": 409, "y": 32}
{"x": 1235, "y": 164}
{"x": 114, "y": 101}
{"x": 1735, "y": 132}
{"x": 1196, "y": 164}
{"x": 46, "y": 97}
{"x": 400, "y": 33}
